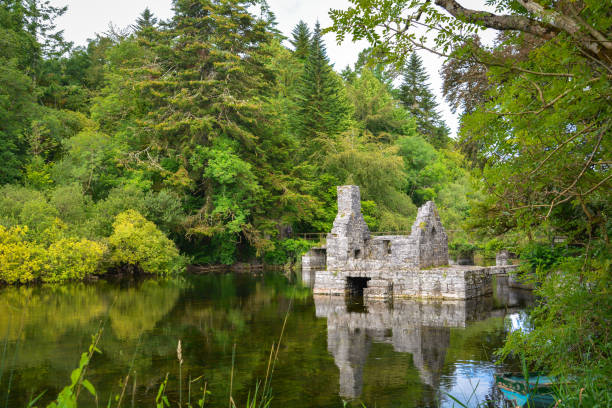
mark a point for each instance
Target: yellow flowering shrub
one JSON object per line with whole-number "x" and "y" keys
{"x": 23, "y": 261}
{"x": 137, "y": 241}
{"x": 20, "y": 261}
{"x": 70, "y": 258}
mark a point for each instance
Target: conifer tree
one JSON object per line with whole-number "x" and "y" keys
{"x": 202, "y": 85}
{"x": 266, "y": 14}
{"x": 324, "y": 110}
{"x": 146, "y": 26}
{"x": 146, "y": 20}
{"x": 301, "y": 41}
{"x": 208, "y": 67}
{"x": 415, "y": 95}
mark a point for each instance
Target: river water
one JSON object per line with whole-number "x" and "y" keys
{"x": 405, "y": 354}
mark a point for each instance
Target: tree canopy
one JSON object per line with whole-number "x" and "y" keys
{"x": 535, "y": 122}
{"x": 209, "y": 127}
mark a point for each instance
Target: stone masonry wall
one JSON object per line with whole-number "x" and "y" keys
{"x": 350, "y": 247}
{"x": 430, "y": 238}
{"x": 413, "y": 266}
{"x": 455, "y": 282}
{"x": 315, "y": 258}
{"x": 350, "y": 232}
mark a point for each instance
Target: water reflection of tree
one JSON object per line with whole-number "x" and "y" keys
{"x": 45, "y": 329}
{"x": 48, "y": 311}
{"x": 136, "y": 310}
{"x": 210, "y": 314}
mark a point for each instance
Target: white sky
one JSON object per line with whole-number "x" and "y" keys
{"x": 84, "y": 18}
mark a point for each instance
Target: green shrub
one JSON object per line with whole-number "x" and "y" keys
{"x": 163, "y": 208}
{"x": 137, "y": 241}
{"x": 37, "y": 174}
{"x": 20, "y": 206}
{"x": 570, "y": 334}
{"x": 11, "y": 199}
{"x": 492, "y": 247}
{"x": 103, "y": 213}
{"x": 461, "y": 248}
{"x": 70, "y": 202}
{"x": 539, "y": 255}
{"x": 288, "y": 250}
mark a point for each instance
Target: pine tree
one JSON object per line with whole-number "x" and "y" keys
{"x": 208, "y": 67}
{"x": 301, "y": 41}
{"x": 266, "y": 14}
{"x": 201, "y": 104}
{"x": 415, "y": 95}
{"x": 324, "y": 110}
{"x": 145, "y": 21}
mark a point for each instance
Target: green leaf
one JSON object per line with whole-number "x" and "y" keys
{"x": 89, "y": 387}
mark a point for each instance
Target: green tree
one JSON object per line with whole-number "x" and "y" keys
{"x": 375, "y": 109}
{"x": 17, "y": 107}
{"x": 379, "y": 171}
{"x": 146, "y": 20}
{"x": 29, "y": 41}
{"x": 385, "y": 73}
{"x": 145, "y": 26}
{"x": 210, "y": 81}
{"x": 301, "y": 41}
{"x": 137, "y": 242}
{"x": 417, "y": 98}
{"x": 323, "y": 108}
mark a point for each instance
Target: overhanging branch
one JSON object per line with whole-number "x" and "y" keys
{"x": 494, "y": 21}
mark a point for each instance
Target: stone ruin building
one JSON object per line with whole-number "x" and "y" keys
{"x": 415, "y": 265}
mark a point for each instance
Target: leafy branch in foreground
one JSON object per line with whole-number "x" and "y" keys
{"x": 68, "y": 397}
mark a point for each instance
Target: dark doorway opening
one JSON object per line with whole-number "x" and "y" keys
{"x": 355, "y": 286}
{"x": 354, "y": 298}
{"x": 387, "y": 245}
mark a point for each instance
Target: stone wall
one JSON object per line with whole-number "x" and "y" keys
{"x": 429, "y": 237}
{"x": 347, "y": 239}
{"x": 457, "y": 282}
{"x": 454, "y": 282}
{"x": 502, "y": 258}
{"x": 315, "y": 258}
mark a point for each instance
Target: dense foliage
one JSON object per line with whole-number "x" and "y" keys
{"x": 204, "y": 129}
{"x": 535, "y": 123}
{"x": 136, "y": 241}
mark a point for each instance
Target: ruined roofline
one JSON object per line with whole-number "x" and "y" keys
{"x": 349, "y": 211}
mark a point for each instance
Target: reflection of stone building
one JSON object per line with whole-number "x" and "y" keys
{"x": 414, "y": 265}
{"x": 419, "y": 328}
{"x": 510, "y": 294}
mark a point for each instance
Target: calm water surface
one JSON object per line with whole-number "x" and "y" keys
{"x": 405, "y": 354}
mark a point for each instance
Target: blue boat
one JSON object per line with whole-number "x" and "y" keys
{"x": 535, "y": 392}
